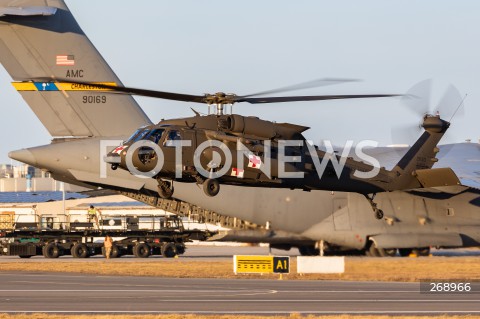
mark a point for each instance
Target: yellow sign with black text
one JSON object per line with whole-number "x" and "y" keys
{"x": 261, "y": 264}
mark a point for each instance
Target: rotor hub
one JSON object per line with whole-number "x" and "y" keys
{"x": 434, "y": 124}
{"x": 219, "y": 99}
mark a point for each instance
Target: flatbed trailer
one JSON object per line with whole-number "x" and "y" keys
{"x": 164, "y": 236}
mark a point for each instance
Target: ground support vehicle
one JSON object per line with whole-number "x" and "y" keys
{"x": 141, "y": 236}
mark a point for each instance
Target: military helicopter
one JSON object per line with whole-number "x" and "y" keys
{"x": 210, "y": 150}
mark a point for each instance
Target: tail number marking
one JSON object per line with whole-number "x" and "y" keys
{"x": 94, "y": 99}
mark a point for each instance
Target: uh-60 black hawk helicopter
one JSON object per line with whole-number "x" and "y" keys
{"x": 221, "y": 148}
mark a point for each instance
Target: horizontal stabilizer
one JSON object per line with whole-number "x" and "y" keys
{"x": 437, "y": 177}
{"x": 27, "y": 11}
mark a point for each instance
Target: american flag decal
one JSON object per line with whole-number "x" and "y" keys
{"x": 68, "y": 60}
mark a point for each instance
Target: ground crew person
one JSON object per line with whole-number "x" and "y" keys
{"x": 108, "y": 244}
{"x": 93, "y": 215}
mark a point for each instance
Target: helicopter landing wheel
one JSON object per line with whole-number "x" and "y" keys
{"x": 199, "y": 179}
{"x": 211, "y": 187}
{"x": 378, "y": 214}
{"x": 165, "y": 190}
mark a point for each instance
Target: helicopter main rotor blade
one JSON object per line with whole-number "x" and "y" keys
{"x": 304, "y": 85}
{"x": 218, "y": 98}
{"x": 280, "y": 99}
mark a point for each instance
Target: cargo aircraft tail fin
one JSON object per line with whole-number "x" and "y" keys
{"x": 41, "y": 39}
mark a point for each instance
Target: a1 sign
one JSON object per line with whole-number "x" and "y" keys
{"x": 281, "y": 265}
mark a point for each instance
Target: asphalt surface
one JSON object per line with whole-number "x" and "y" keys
{"x": 77, "y": 293}
{"x": 67, "y": 293}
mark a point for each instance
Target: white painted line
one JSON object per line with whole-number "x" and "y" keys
{"x": 349, "y": 291}
{"x": 389, "y": 312}
{"x": 140, "y": 290}
{"x": 287, "y": 300}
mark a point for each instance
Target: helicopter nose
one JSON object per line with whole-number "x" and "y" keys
{"x": 24, "y": 156}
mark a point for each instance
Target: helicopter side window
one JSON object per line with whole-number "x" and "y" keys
{"x": 155, "y": 135}
{"x": 171, "y": 137}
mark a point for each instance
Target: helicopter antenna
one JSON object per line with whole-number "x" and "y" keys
{"x": 194, "y": 111}
{"x": 458, "y": 107}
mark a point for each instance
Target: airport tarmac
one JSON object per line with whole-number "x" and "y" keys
{"x": 23, "y": 292}
{"x": 76, "y": 293}
{"x": 212, "y": 252}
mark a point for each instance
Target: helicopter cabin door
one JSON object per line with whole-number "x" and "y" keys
{"x": 169, "y": 146}
{"x": 188, "y": 151}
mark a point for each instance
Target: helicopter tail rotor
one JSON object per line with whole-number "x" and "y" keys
{"x": 418, "y": 101}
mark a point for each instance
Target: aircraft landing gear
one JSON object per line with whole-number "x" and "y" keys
{"x": 380, "y": 252}
{"x": 420, "y": 252}
{"x": 165, "y": 189}
{"x": 377, "y": 211}
{"x": 211, "y": 187}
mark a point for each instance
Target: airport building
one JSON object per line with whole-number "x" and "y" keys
{"x": 26, "y": 178}
{"x": 28, "y": 208}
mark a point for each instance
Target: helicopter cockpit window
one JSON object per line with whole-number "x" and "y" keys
{"x": 171, "y": 137}
{"x": 154, "y": 135}
{"x": 133, "y": 135}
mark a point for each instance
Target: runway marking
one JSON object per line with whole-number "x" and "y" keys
{"x": 140, "y": 290}
{"x": 333, "y": 312}
{"x": 195, "y": 290}
{"x": 349, "y": 291}
{"x": 274, "y": 300}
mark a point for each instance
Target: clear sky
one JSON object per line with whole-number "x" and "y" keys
{"x": 248, "y": 46}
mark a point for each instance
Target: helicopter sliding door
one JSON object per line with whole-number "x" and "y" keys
{"x": 188, "y": 151}
{"x": 183, "y": 140}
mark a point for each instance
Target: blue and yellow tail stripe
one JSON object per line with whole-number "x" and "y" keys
{"x": 59, "y": 86}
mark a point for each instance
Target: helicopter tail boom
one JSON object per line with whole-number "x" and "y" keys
{"x": 414, "y": 170}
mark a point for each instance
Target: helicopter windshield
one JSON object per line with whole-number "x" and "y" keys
{"x": 138, "y": 135}
{"x": 133, "y": 135}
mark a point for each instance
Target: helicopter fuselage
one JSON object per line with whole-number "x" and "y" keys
{"x": 235, "y": 150}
